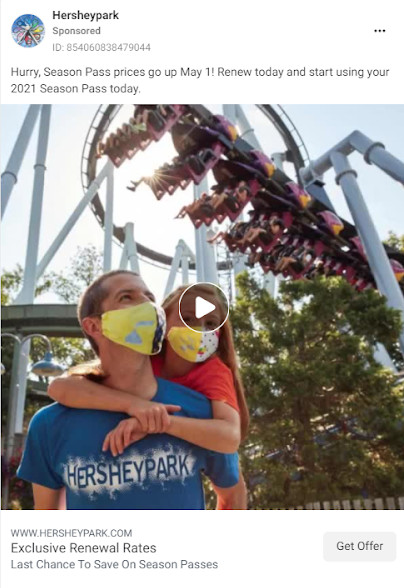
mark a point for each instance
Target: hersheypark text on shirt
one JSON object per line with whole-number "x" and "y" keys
{"x": 97, "y": 475}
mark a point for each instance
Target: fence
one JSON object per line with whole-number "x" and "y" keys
{"x": 359, "y": 504}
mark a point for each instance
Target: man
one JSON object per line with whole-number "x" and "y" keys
{"x": 159, "y": 471}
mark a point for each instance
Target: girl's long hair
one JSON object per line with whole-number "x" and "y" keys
{"x": 226, "y": 351}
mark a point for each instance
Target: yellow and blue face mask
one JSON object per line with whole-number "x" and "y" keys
{"x": 140, "y": 328}
{"x": 191, "y": 345}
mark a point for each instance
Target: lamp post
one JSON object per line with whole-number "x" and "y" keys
{"x": 45, "y": 367}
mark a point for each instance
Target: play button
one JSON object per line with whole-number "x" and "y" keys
{"x": 204, "y": 306}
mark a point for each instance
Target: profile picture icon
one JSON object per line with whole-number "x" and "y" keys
{"x": 28, "y": 30}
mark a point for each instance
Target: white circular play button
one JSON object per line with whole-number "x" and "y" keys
{"x": 204, "y": 306}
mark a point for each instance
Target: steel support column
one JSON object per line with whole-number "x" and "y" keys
{"x": 200, "y": 236}
{"x": 185, "y": 269}
{"x": 10, "y": 175}
{"x": 109, "y": 218}
{"x": 18, "y": 385}
{"x": 248, "y": 133}
{"x": 246, "y": 130}
{"x": 375, "y": 252}
{"x": 27, "y": 294}
{"x": 71, "y": 221}
{"x": 179, "y": 252}
{"x": 279, "y": 159}
{"x": 373, "y": 152}
{"x": 129, "y": 252}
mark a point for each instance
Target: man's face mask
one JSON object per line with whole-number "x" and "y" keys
{"x": 193, "y": 346}
{"x": 140, "y": 328}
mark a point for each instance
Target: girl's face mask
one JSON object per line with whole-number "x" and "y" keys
{"x": 140, "y": 328}
{"x": 193, "y": 346}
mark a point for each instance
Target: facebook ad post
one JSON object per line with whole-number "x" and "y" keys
{"x": 202, "y": 293}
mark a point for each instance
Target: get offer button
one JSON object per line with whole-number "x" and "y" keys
{"x": 359, "y": 546}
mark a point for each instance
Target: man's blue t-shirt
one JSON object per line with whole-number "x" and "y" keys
{"x": 63, "y": 449}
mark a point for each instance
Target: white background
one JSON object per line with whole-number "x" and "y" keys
{"x": 231, "y": 34}
{"x": 253, "y": 548}
{"x": 265, "y": 548}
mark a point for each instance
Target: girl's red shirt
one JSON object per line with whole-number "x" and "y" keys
{"x": 212, "y": 378}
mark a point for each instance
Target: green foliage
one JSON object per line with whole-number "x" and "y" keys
{"x": 308, "y": 367}
{"x": 67, "y": 286}
{"x": 395, "y": 241}
{"x": 84, "y": 267}
{"x": 394, "y": 350}
{"x": 20, "y": 491}
{"x": 327, "y": 420}
{"x": 11, "y": 282}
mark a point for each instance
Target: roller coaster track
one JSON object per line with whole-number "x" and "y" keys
{"x": 296, "y": 153}
{"x": 238, "y": 152}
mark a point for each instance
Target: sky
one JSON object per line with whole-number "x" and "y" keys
{"x": 321, "y": 127}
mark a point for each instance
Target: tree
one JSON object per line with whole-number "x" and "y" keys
{"x": 395, "y": 241}
{"x": 394, "y": 350}
{"x": 11, "y": 282}
{"x": 10, "y": 285}
{"x": 67, "y": 285}
{"x": 327, "y": 419}
{"x": 84, "y": 267}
